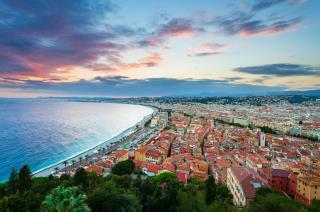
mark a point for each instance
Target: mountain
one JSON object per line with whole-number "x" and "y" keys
{"x": 300, "y": 93}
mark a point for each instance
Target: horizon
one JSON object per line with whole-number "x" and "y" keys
{"x": 117, "y": 49}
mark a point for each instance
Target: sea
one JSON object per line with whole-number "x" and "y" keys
{"x": 41, "y": 133}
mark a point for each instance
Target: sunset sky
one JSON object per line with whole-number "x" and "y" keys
{"x": 158, "y": 47}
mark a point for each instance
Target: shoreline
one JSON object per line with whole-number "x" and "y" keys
{"x": 46, "y": 171}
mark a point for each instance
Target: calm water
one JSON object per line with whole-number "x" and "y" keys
{"x": 41, "y": 133}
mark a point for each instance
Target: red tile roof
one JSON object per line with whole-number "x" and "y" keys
{"x": 153, "y": 154}
{"x": 280, "y": 173}
{"x": 97, "y": 169}
{"x": 154, "y": 168}
{"x": 247, "y": 178}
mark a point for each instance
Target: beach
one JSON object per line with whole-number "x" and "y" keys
{"x": 92, "y": 154}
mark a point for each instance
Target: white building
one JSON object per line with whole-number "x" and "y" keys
{"x": 242, "y": 183}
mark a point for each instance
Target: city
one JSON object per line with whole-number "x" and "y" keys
{"x": 159, "y": 105}
{"x": 244, "y": 147}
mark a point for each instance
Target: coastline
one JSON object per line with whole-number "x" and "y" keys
{"x": 93, "y": 150}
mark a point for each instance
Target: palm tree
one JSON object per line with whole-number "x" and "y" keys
{"x": 65, "y": 199}
{"x": 65, "y": 166}
{"x": 73, "y": 162}
{"x": 80, "y": 160}
{"x": 56, "y": 169}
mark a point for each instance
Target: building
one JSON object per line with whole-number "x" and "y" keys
{"x": 153, "y": 156}
{"x": 140, "y": 154}
{"x": 308, "y": 187}
{"x": 120, "y": 155}
{"x": 279, "y": 180}
{"x": 242, "y": 183}
{"x": 262, "y": 139}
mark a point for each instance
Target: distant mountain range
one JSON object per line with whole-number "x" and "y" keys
{"x": 244, "y": 94}
{"x": 302, "y": 93}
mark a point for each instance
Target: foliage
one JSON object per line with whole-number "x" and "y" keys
{"x": 13, "y": 181}
{"x": 268, "y": 200}
{"x": 81, "y": 178}
{"x": 25, "y": 181}
{"x": 159, "y": 193}
{"x": 123, "y": 167}
{"x": 315, "y": 206}
{"x": 65, "y": 199}
{"x": 124, "y": 192}
{"x": 191, "y": 201}
{"x": 111, "y": 197}
{"x": 211, "y": 190}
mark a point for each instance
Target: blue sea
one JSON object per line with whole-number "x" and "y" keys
{"x": 43, "y": 132}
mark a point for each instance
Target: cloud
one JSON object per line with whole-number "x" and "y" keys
{"x": 260, "y": 28}
{"x": 208, "y": 49}
{"x": 249, "y": 22}
{"x": 39, "y": 37}
{"x": 123, "y": 86}
{"x": 246, "y": 25}
{"x": 281, "y": 70}
{"x": 264, "y": 4}
{"x": 148, "y": 61}
{"x": 178, "y": 27}
{"x": 175, "y": 27}
{"x": 233, "y": 79}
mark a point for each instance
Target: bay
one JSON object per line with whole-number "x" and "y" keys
{"x": 41, "y": 133}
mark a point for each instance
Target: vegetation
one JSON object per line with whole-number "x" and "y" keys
{"x": 65, "y": 199}
{"x": 123, "y": 167}
{"x": 310, "y": 138}
{"x": 90, "y": 192}
{"x": 269, "y": 200}
{"x": 267, "y": 129}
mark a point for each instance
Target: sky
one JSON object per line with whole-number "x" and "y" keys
{"x": 127, "y": 48}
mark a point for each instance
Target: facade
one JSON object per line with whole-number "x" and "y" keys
{"x": 262, "y": 139}
{"x": 279, "y": 180}
{"x": 308, "y": 187}
{"x": 120, "y": 155}
{"x": 292, "y": 184}
{"x": 242, "y": 183}
{"x": 140, "y": 154}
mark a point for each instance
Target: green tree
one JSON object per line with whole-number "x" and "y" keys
{"x": 73, "y": 162}
{"x": 222, "y": 206}
{"x": 16, "y": 203}
{"x": 80, "y": 160}
{"x": 267, "y": 200}
{"x": 65, "y": 166}
{"x": 81, "y": 178}
{"x": 315, "y": 206}
{"x": 25, "y": 180}
{"x": 223, "y": 194}
{"x": 191, "y": 201}
{"x": 13, "y": 181}
{"x": 56, "y": 170}
{"x": 210, "y": 190}
{"x": 159, "y": 193}
{"x": 65, "y": 199}
{"x": 123, "y": 167}
{"x": 111, "y": 197}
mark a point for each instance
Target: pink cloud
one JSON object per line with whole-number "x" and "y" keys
{"x": 149, "y": 61}
{"x": 271, "y": 30}
{"x": 208, "y": 49}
